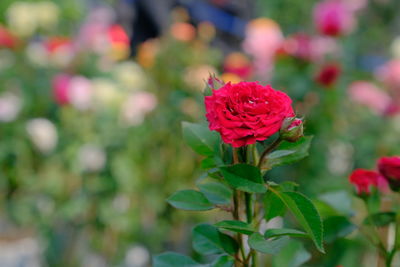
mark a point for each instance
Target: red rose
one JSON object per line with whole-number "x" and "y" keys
{"x": 328, "y": 74}
{"x": 247, "y": 112}
{"x": 389, "y": 167}
{"x": 363, "y": 180}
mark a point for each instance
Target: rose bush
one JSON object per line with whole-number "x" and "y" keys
{"x": 247, "y": 112}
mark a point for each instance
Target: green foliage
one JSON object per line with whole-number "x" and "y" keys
{"x": 190, "y": 200}
{"x": 200, "y": 138}
{"x": 171, "y": 259}
{"x": 380, "y": 218}
{"x": 216, "y": 192}
{"x": 273, "y": 206}
{"x": 244, "y": 177}
{"x": 288, "y": 152}
{"x": 337, "y": 227}
{"x": 208, "y": 240}
{"x": 284, "y": 232}
{"x": 272, "y": 246}
{"x": 236, "y": 226}
{"x": 305, "y": 213}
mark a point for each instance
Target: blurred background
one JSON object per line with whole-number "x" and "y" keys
{"x": 92, "y": 94}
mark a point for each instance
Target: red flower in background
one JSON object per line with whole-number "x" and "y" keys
{"x": 247, "y": 112}
{"x": 55, "y": 43}
{"x": 7, "y": 39}
{"x": 389, "y": 167}
{"x": 333, "y": 18}
{"x": 364, "y": 180}
{"x": 328, "y": 74}
{"x": 117, "y": 35}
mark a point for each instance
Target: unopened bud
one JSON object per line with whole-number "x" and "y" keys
{"x": 292, "y": 129}
{"x": 213, "y": 83}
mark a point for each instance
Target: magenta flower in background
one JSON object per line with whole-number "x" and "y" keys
{"x": 365, "y": 180}
{"x": 389, "y": 74}
{"x": 328, "y": 74}
{"x": 60, "y": 84}
{"x": 334, "y": 18}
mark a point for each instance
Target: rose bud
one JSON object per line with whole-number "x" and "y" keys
{"x": 292, "y": 129}
{"x": 213, "y": 83}
{"x": 389, "y": 167}
{"x": 364, "y": 180}
{"x": 247, "y": 112}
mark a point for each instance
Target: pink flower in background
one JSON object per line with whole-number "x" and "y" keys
{"x": 333, "y": 18}
{"x": 137, "y": 106}
{"x": 368, "y": 94}
{"x": 298, "y": 45}
{"x": 389, "y": 74}
{"x": 56, "y": 43}
{"x": 263, "y": 38}
{"x": 80, "y": 92}
{"x": 328, "y": 74}
{"x": 309, "y": 48}
{"x": 60, "y": 86}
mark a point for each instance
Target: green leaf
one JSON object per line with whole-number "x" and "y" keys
{"x": 190, "y": 200}
{"x": 292, "y": 255}
{"x": 284, "y": 232}
{"x": 306, "y": 214}
{"x": 339, "y": 200}
{"x": 380, "y": 218}
{"x": 244, "y": 177}
{"x": 260, "y": 244}
{"x": 216, "y": 193}
{"x": 171, "y": 259}
{"x": 208, "y": 240}
{"x": 337, "y": 227}
{"x": 288, "y": 152}
{"x": 236, "y": 226}
{"x": 200, "y": 138}
{"x": 273, "y": 206}
{"x": 223, "y": 261}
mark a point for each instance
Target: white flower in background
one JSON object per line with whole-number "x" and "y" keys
{"x": 121, "y": 203}
{"x": 47, "y": 14}
{"x": 21, "y": 18}
{"x": 137, "y": 106}
{"x": 395, "y": 47}
{"x": 130, "y": 75}
{"x": 340, "y": 157}
{"x": 10, "y": 106}
{"x": 106, "y": 92}
{"x": 80, "y": 92}
{"x": 92, "y": 158}
{"x": 137, "y": 256}
{"x": 43, "y": 134}
{"x": 37, "y": 54}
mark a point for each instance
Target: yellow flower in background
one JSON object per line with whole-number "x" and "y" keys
{"x": 395, "y": 47}
{"x": 47, "y": 14}
{"x": 230, "y": 77}
{"x": 195, "y": 76}
{"x": 106, "y": 93}
{"x": 24, "y": 18}
{"x": 21, "y": 18}
{"x": 130, "y": 75}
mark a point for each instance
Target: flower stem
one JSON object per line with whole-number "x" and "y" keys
{"x": 268, "y": 150}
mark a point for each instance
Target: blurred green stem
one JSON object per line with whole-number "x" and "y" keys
{"x": 268, "y": 150}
